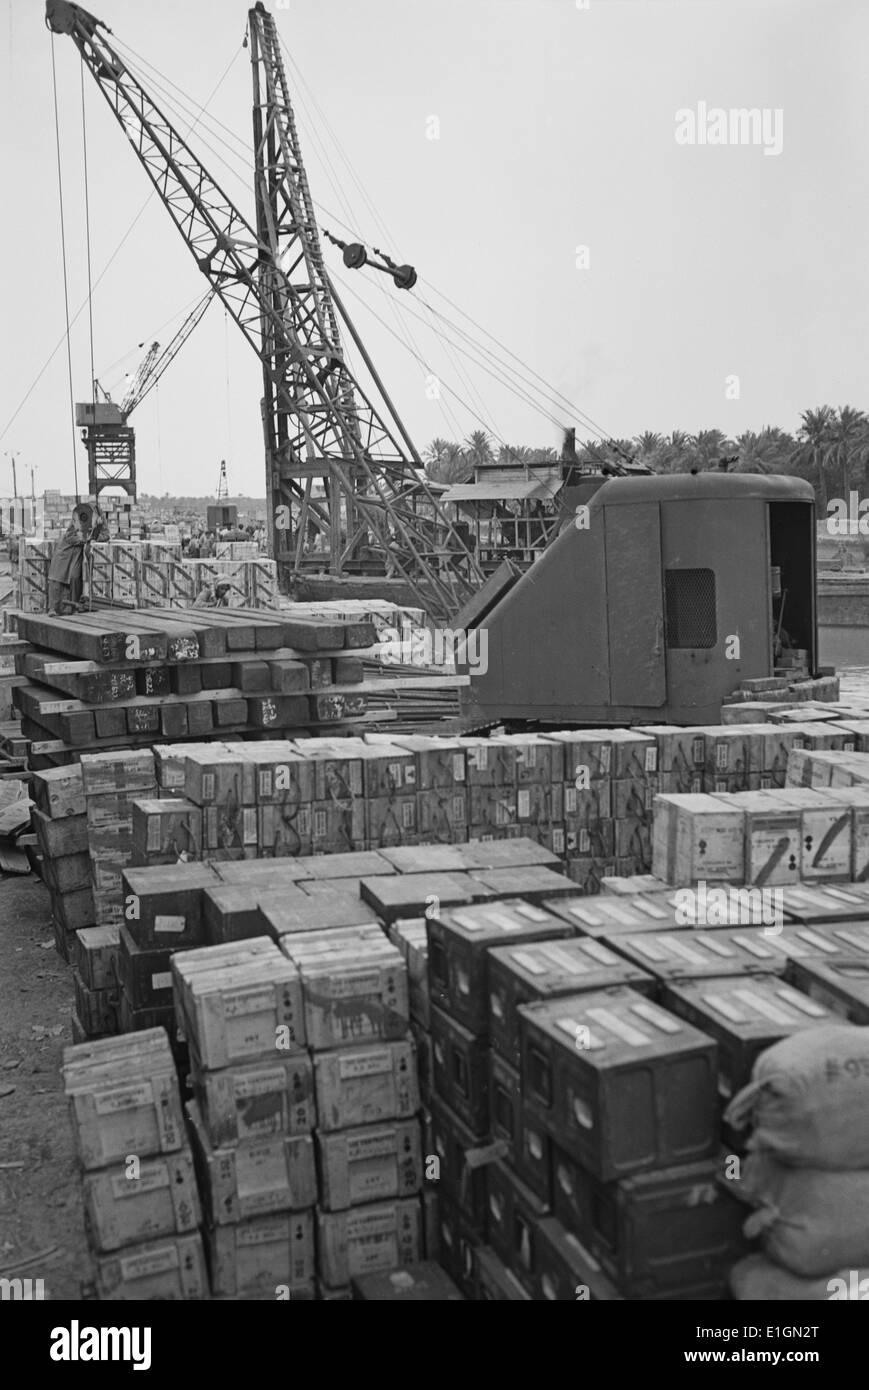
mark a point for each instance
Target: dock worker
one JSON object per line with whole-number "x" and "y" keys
{"x": 67, "y": 563}
{"x": 213, "y": 596}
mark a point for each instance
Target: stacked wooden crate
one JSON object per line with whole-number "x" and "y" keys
{"x": 31, "y": 560}
{"x": 354, "y": 988}
{"x": 96, "y": 982}
{"x": 763, "y": 838}
{"x": 59, "y": 820}
{"x": 145, "y": 573}
{"x": 111, "y": 782}
{"x": 240, "y": 1007}
{"x": 141, "y": 1202}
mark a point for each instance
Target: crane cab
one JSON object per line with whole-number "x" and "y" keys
{"x": 655, "y": 601}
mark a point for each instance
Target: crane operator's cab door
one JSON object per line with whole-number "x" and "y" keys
{"x": 635, "y": 608}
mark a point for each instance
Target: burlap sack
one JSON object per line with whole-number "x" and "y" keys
{"x": 757, "y": 1279}
{"x": 809, "y": 1220}
{"x": 808, "y": 1098}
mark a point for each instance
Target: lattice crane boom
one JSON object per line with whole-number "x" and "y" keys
{"x": 135, "y": 390}
{"x": 318, "y": 421}
{"x": 156, "y": 360}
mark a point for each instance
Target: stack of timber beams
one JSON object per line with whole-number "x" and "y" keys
{"x": 112, "y": 679}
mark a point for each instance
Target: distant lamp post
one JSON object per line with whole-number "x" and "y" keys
{"x": 13, "y": 455}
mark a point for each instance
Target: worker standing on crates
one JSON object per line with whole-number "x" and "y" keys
{"x": 65, "y": 572}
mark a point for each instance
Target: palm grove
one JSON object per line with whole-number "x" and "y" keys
{"x": 830, "y": 450}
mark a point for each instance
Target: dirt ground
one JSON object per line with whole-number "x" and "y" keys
{"x": 41, "y": 1224}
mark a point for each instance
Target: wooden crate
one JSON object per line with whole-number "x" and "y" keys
{"x": 240, "y": 1013}
{"x": 141, "y": 1201}
{"x": 256, "y": 1176}
{"x": 364, "y": 1240}
{"x": 170, "y": 1269}
{"x": 257, "y": 1099}
{"x": 270, "y": 1257}
{"x": 363, "y": 1085}
{"x": 357, "y": 995}
{"x": 124, "y": 1099}
{"x": 370, "y": 1164}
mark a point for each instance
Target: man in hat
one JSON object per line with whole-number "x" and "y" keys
{"x": 67, "y": 562}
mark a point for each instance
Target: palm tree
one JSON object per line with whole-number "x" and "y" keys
{"x": 648, "y": 447}
{"x": 849, "y": 433}
{"x": 446, "y": 461}
{"x": 478, "y": 448}
{"x": 676, "y": 453}
{"x": 708, "y": 446}
{"x": 435, "y": 450}
{"x": 512, "y": 454}
{"x": 815, "y": 439}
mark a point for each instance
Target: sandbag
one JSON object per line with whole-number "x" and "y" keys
{"x": 757, "y": 1279}
{"x": 809, "y": 1220}
{"x": 808, "y": 1098}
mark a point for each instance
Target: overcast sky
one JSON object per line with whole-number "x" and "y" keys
{"x": 557, "y": 131}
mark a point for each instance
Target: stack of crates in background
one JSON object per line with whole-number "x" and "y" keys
{"x": 100, "y": 571}
{"x": 261, "y": 582}
{"x": 142, "y": 1210}
{"x": 610, "y": 777}
{"x": 31, "y": 563}
{"x": 59, "y": 820}
{"x": 737, "y": 758}
{"x": 252, "y": 1116}
{"x": 111, "y": 782}
{"x": 236, "y": 550}
{"x": 125, "y": 557}
{"x": 368, "y": 1139}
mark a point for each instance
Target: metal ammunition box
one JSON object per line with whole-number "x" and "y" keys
{"x": 461, "y": 1070}
{"x": 459, "y": 941}
{"x": 619, "y": 1082}
{"x": 462, "y": 1163}
{"x": 653, "y": 1233}
{"x": 523, "y": 974}
{"x": 702, "y": 954}
{"x": 511, "y": 1228}
{"x": 495, "y": 1283}
{"x": 744, "y": 1016}
{"x": 842, "y": 986}
{"x": 505, "y": 1099}
{"x": 565, "y": 1272}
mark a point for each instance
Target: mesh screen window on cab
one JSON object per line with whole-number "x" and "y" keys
{"x": 690, "y": 596}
